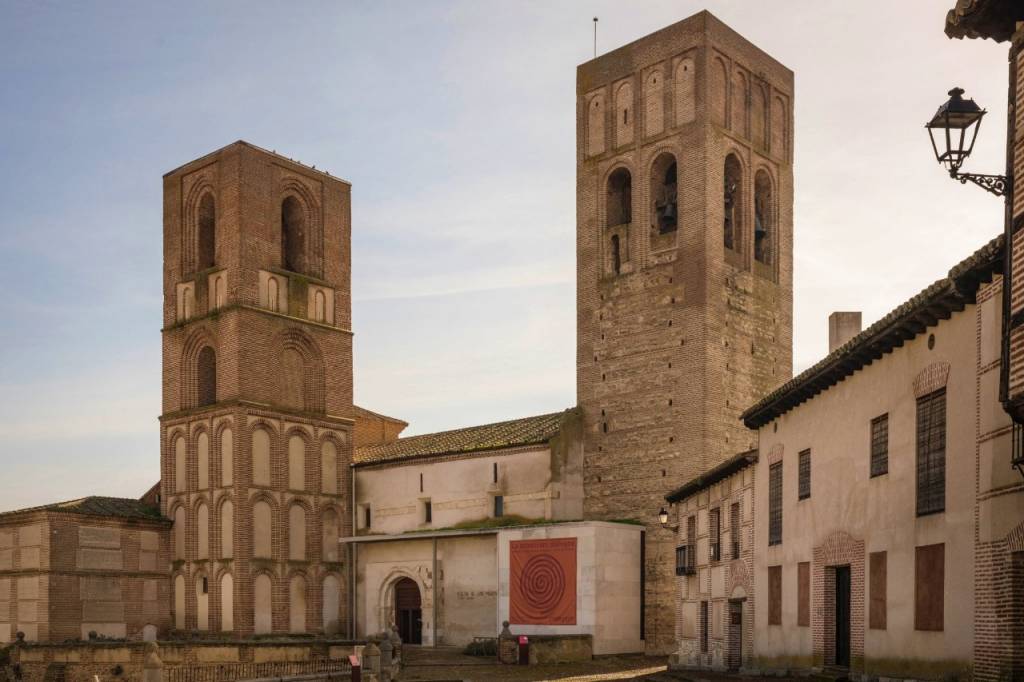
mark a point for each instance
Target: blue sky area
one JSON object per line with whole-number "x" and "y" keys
{"x": 455, "y": 123}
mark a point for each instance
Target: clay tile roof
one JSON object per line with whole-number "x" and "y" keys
{"x": 995, "y": 19}
{"x": 712, "y": 476}
{"x": 111, "y": 507}
{"x": 512, "y": 433}
{"x": 938, "y": 302}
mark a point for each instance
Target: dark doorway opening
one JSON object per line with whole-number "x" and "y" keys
{"x": 843, "y": 616}
{"x": 408, "y": 611}
{"x": 735, "y": 653}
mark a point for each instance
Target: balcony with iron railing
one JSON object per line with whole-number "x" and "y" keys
{"x": 686, "y": 560}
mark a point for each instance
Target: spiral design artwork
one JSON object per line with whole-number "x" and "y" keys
{"x": 542, "y": 583}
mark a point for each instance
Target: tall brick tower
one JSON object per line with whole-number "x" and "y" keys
{"x": 257, "y": 392}
{"x": 684, "y": 268}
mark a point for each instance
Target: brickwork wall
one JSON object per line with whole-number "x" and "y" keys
{"x": 717, "y": 582}
{"x": 998, "y": 580}
{"x": 279, "y": 367}
{"x": 672, "y": 350}
{"x": 86, "y": 573}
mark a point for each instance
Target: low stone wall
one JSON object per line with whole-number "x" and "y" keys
{"x": 546, "y": 649}
{"x": 178, "y": 661}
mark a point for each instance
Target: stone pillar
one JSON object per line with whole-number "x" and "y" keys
{"x": 371, "y": 661}
{"x": 152, "y": 666}
{"x": 508, "y": 648}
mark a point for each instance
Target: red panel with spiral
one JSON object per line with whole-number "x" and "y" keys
{"x": 542, "y": 589}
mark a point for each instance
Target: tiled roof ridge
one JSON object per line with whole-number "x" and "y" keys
{"x": 951, "y": 293}
{"x": 444, "y": 442}
{"x": 129, "y": 507}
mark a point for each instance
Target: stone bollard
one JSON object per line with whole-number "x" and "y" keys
{"x": 396, "y": 644}
{"x": 386, "y": 662}
{"x": 371, "y": 661}
{"x": 152, "y": 666}
{"x": 508, "y": 651}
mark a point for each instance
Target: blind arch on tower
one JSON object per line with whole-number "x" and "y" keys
{"x": 301, "y": 375}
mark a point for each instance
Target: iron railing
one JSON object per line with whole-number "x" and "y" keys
{"x": 232, "y": 672}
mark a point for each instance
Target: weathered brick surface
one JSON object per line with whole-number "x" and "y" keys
{"x": 288, "y": 373}
{"x": 671, "y": 350}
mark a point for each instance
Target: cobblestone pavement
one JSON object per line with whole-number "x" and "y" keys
{"x": 469, "y": 669}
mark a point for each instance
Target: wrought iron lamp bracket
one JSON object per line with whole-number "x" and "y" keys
{"x": 996, "y": 184}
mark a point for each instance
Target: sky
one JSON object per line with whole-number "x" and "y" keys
{"x": 455, "y": 123}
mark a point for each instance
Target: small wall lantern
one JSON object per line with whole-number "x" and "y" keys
{"x": 953, "y": 130}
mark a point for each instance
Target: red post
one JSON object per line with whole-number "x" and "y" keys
{"x": 357, "y": 670}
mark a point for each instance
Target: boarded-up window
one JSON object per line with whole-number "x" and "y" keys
{"x": 880, "y": 445}
{"x": 931, "y": 452}
{"x": 877, "y": 580}
{"x": 775, "y": 504}
{"x": 775, "y": 595}
{"x": 715, "y": 533}
{"x": 929, "y": 581}
{"x": 803, "y": 588}
{"x": 805, "y": 475}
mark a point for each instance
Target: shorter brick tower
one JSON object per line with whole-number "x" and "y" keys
{"x": 256, "y": 431}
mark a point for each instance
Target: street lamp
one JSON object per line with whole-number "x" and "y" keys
{"x": 663, "y": 517}
{"x": 956, "y": 125}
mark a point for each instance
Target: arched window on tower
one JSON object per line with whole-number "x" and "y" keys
{"x": 616, "y": 255}
{"x": 293, "y": 235}
{"x": 206, "y": 376}
{"x": 207, "y": 233}
{"x": 732, "y": 201}
{"x": 764, "y": 226}
{"x": 620, "y": 198}
{"x": 664, "y": 194}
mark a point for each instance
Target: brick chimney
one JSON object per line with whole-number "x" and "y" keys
{"x": 841, "y": 328}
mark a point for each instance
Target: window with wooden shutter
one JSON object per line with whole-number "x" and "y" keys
{"x": 880, "y": 445}
{"x": 929, "y": 583}
{"x": 931, "y": 453}
{"x": 734, "y": 529}
{"x": 805, "y": 474}
{"x": 803, "y": 601}
{"x": 775, "y": 595}
{"x": 775, "y": 504}
{"x": 715, "y": 533}
{"x": 877, "y": 586}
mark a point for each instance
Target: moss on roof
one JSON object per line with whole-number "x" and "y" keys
{"x": 512, "y": 433}
{"x": 110, "y": 507}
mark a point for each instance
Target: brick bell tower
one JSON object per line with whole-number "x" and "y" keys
{"x": 684, "y": 272}
{"x": 256, "y": 431}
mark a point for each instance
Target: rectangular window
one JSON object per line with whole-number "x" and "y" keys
{"x": 366, "y": 516}
{"x": 684, "y": 560}
{"x": 691, "y": 540}
{"x": 805, "y": 474}
{"x": 421, "y": 482}
{"x": 703, "y": 627}
{"x": 877, "y": 586}
{"x": 929, "y": 584}
{"x": 428, "y": 512}
{"x": 734, "y": 529}
{"x": 775, "y": 504}
{"x": 715, "y": 533}
{"x": 206, "y": 585}
{"x": 803, "y": 600}
{"x": 775, "y": 595}
{"x": 499, "y": 506}
{"x": 931, "y": 453}
{"x": 494, "y": 474}
{"x": 880, "y": 445}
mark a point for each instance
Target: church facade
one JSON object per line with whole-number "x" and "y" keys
{"x": 285, "y": 508}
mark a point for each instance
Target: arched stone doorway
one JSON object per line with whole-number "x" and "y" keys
{"x": 409, "y": 611}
